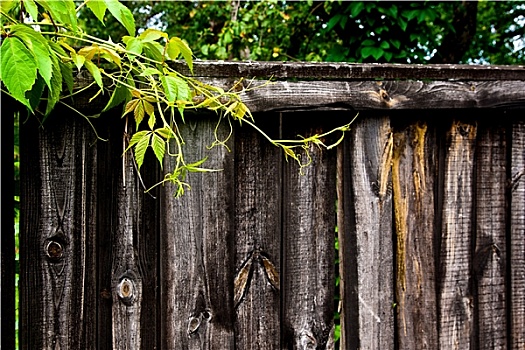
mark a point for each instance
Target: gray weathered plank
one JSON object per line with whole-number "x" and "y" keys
{"x": 257, "y": 184}
{"x": 308, "y": 243}
{"x": 414, "y": 174}
{"x": 517, "y": 236}
{"x": 369, "y": 292}
{"x": 383, "y": 95}
{"x": 455, "y": 297}
{"x": 489, "y": 262}
{"x": 197, "y": 253}
{"x": 351, "y": 71}
{"x": 58, "y": 241}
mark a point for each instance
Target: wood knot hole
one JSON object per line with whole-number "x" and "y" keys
{"x": 126, "y": 291}
{"x": 384, "y": 95}
{"x": 54, "y": 251}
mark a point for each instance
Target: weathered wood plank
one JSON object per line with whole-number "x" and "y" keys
{"x": 197, "y": 254}
{"x": 369, "y": 292}
{"x": 455, "y": 295}
{"x": 308, "y": 239}
{"x": 258, "y": 176}
{"x": 414, "y": 166}
{"x": 58, "y": 241}
{"x": 351, "y": 71}
{"x": 489, "y": 263}
{"x": 517, "y": 236}
{"x": 383, "y": 95}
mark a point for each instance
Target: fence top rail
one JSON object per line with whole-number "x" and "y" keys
{"x": 352, "y": 71}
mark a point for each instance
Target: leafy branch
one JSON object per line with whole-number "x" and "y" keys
{"x": 38, "y": 57}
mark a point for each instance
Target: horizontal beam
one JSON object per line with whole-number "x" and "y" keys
{"x": 351, "y": 71}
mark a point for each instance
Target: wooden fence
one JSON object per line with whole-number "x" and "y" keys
{"x": 425, "y": 199}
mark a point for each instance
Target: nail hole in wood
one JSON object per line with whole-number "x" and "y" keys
{"x": 54, "y": 251}
{"x": 126, "y": 291}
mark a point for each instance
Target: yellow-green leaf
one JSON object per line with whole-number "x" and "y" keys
{"x": 176, "y": 44}
{"x": 159, "y": 147}
{"x": 98, "y": 7}
{"x": 130, "y": 106}
{"x": 151, "y": 34}
{"x": 139, "y": 113}
{"x": 140, "y": 149}
{"x": 95, "y": 72}
{"x": 122, "y": 14}
{"x": 78, "y": 60}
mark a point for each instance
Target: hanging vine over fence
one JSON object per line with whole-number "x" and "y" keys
{"x": 38, "y": 57}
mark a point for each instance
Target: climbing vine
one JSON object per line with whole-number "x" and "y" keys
{"x": 43, "y": 44}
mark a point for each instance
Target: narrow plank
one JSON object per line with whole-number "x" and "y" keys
{"x": 414, "y": 166}
{"x": 455, "y": 295}
{"x": 308, "y": 237}
{"x": 197, "y": 254}
{"x": 369, "y": 293}
{"x": 58, "y": 242}
{"x": 133, "y": 251}
{"x": 258, "y": 176}
{"x": 354, "y": 71}
{"x": 489, "y": 261}
{"x": 325, "y": 95}
{"x": 517, "y": 236}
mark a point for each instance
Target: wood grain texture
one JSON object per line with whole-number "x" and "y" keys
{"x": 489, "y": 262}
{"x": 197, "y": 254}
{"x": 455, "y": 291}
{"x": 257, "y": 186}
{"x": 369, "y": 322}
{"x": 58, "y": 241}
{"x": 308, "y": 243}
{"x": 517, "y": 236}
{"x": 383, "y": 95}
{"x": 351, "y": 71}
{"x": 414, "y": 173}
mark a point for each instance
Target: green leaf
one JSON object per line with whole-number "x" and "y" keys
{"x": 159, "y": 147}
{"x": 371, "y": 51}
{"x": 384, "y": 45}
{"x": 152, "y": 35}
{"x": 133, "y": 44}
{"x": 39, "y": 47}
{"x": 140, "y": 149}
{"x": 396, "y": 43}
{"x": 56, "y": 86}
{"x": 66, "y": 68}
{"x": 151, "y": 121}
{"x": 78, "y": 60}
{"x": 98, "y": 7}
{"x": 138, "y": 113}
{"x": 357, "y": 7}
{"x": 95, "y": 72}
{"x": 122, "y": 14}
{"x": 154, "y": 50}
{"x": 18, "y": 69}
{"x": 63, "y": 11}
{"x": 368, "y": 42}
{"x": 31, "y": 8}
{"x": 176, "y": 45}
{"x": 149, "y": 71}
{"x": 119, "y": 95}
{"x": 175, "y": 88}
{"x": 35, "y": 94}
{"x": 137, "y": 137}
{"x": 8, "y": 5}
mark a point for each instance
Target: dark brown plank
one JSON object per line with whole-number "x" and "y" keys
{"x": 197, "y": 254}
{"x": 352, "y": 71}
{"x": 58, "y": 242}
{"x": 369, "y": 292}
{"x": 413, "y": 177}
{"x": 308, "y": 239}
{"x": 456, "y": 304}
{"x": 517, "y": 236}
{"x": 489, "y": 261}
{"x": 257, "y": 184}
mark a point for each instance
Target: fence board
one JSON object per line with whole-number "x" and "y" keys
{"x": 370, "y": 319}
{"x": 258, "y": 176}
{"x": 308, "y": 239}
{"x": 197, "y": 256}
{"x": 455, "y": 294}
{"x": 57, "y": 244}
{"x": 517, "y": 236}
{"x": 489, "y": 263}
{"x": 413, "y": 178}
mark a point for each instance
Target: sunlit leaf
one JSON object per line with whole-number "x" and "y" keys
{"x": 18, "y": 69}
{"x": 159, "y": 147}
{"x": 119, "y": 95}
{"x": 177, "y": 44}
{"x": 151, "y": 34}
{"x": 138, "y": 113}
{"x": 31, "y": 8}
{"x": 130, "y": 106}
{"x": 133, "y": 45}
{"x": 122, "y": 14}
{"x": 78, "y": 60}
{"x": 95, "y": 72}
{"x": 56, "y": 86}
{"x": 98, "y": 7}
{"x": 140, "y": 149}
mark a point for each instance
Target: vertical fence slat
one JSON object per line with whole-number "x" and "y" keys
{"x": 58, "y": 277}
{"x": 197, "y": 246}
{"x": 308, "y": 239}
{"x": 517, "y": 236}
{"x": 369, "y": 315}
{"x": 413, "y": 176}
{"x": 455, "y": 294}
{"x": 257, "y": 237}
{"x": 489, "y": 262}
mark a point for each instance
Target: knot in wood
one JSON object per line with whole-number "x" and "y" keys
{"x": 126, "y": 291}
{"x": 54, "y": 251}
{"x": 384, "y": 95}
{"x": 307, "y": 340}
